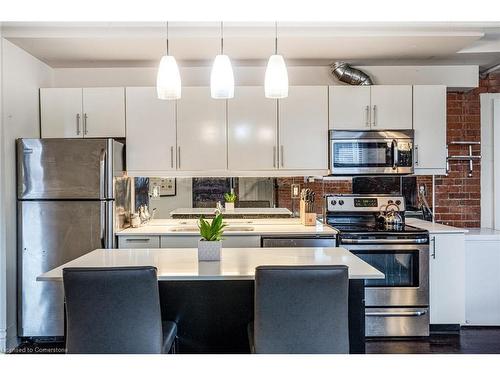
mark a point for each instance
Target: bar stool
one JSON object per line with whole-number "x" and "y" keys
{"x": 300, "y": 310}
{"x": 115, "y": 310}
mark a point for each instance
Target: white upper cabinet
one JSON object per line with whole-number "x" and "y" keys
{"x": 88, "y": 113}
{"x": 429, "y": 123}
{"x": 104, "y": 112}
{"x": 61, "y": 113}
{"x": 350, "y": 107}
{"x": 201, "y": 131}
{"x": 391, "y": 107}
{"x": 151, "y": 134}
{"x": 376, "y": 107}
{"x": 252, "y": 130}
{"x": 303, "y": 128}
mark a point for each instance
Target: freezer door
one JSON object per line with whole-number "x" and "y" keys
{"x": 67, "y": 168}
{"x": 52, "y": 233}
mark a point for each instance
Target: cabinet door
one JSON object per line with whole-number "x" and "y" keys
{"x": 429, "y": 123}
{"x": 201, "y": 131}
{"x": 252, "y": 130}
{"x": 303, "y": 128}
{"x": 447, "y": 278}
{"x": 151, "y": 138}
{"x": 350, "y": 107}
{"x": 482, "y": 295}
{"x": 104, "y": 112}
{"x": 61, "y": 113}
{"x": 391, "y": 107}
{"x": 138, "y": 242}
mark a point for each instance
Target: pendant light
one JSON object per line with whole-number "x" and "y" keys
{"x": 222, "y": 78}
{"x": 168, "y": 80}
{"x": 276, "y": 78}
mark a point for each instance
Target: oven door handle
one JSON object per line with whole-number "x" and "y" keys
{"x": 395, "y": 154}
{"x": 394, "y": 314}
{"x": 349, "y": 241}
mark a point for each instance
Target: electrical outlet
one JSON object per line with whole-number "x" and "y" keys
{"x": 295, "y": 191}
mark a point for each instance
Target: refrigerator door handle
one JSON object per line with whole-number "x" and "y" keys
{"x": 102, "y": 233}
{"x": 102, "y": 174}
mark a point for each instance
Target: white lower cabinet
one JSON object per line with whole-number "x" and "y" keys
{"x": 447, "y": 278}
{"x": 138, "y": 242}
{"x": 192, "y": 241}
{"x": 482, "y": 276}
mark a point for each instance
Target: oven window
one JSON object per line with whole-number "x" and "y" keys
{"x": 372, "y": 154}
{"x": 400, "y": 267}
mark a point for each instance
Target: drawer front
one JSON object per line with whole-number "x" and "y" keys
{"x": 138, "y": 242}
{"x": 394, "y": 322}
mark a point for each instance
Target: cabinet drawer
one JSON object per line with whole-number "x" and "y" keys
{"x": 138, "y": 242}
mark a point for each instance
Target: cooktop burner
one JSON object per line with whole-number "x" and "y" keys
{"x": 357, "y": 228}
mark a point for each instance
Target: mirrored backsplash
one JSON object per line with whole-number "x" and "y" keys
{"x": 168, "y": 194}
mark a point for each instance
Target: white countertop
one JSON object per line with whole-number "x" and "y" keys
{"x": 235, "y": 264}
{"x": 174, "y": 227}
{"x": 236, "y": 211}
{"x": 434, "y": 227}
{"x": 483, "y": 234}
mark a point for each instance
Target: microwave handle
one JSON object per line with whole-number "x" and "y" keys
{"x": 395, "y": 155}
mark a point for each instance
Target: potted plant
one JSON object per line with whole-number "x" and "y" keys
{"x": 210, "y": 243}
{"x": 230, "y": 198}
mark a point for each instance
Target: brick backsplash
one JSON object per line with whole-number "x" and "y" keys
{"x": 457, "y": 196}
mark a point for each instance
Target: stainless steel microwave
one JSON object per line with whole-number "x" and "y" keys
{"x": 371, "y": 152}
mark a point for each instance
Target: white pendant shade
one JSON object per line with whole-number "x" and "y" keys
{"x": 222, "y": 78}
{"x": 168, "y": 80}
{"x": 276, "y": 78}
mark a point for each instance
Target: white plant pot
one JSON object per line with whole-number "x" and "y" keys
{"x": 209, "y": 251}
{"x": 229, "y": 206}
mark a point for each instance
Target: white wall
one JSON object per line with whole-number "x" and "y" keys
{"x": 22, "y": 76}
{"x": 463, "y": 76}
{"x": 3, "y": 271}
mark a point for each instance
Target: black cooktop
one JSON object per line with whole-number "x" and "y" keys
{"x": 358, "y": 228}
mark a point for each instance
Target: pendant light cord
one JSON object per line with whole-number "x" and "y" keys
{"x": 276, "y": 37}
{"x": 221, "y": 37}
{"x": 167, "y": 38}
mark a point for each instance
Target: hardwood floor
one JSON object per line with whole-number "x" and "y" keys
{"x": 470, "y": 341}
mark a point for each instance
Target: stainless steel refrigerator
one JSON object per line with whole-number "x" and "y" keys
{"x": 72, "y": 197}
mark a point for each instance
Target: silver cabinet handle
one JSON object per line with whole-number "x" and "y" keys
{"x": 274, "y": 156}
{"x": 85, "y": 132}
{"x": 77, "y": 124}
{"x": 179, "y": 157}
{"x": 349, "y": 241}
{"x": 401, "y": 313}
{"x": 281, "y": 157}
{"x": 137, "y": 239}
{"x": 433, "y": 240}
{"x": 367, "y": 114}
{"x": 416, "y": 154}
{"x": 172, "y": 157}
{"x": 374, "y": 115}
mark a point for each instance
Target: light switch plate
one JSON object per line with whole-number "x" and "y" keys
{"x": 295, "y": 191}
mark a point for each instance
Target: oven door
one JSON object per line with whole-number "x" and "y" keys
{"x": 406, "y": 270}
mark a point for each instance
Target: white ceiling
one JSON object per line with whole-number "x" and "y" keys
{"x": 142, "y": 44}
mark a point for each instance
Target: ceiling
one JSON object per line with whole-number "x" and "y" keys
{"x": 142, "y": 44}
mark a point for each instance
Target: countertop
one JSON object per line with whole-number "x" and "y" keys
{"x": 249, "y": 213}
{"x": 185, "y": 227}
{"x": 434, "y": 227}
{"x": 235, "y": 264}
{"x": 483, "y": 234}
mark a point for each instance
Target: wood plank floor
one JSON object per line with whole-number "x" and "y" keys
{"x": 469, "y": 341}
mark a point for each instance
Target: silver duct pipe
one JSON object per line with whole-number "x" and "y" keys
{"x": 346, "y": 73}
{"x": 492, "y": 69}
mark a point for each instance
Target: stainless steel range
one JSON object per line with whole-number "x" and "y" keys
{"x": 373, "y": 228}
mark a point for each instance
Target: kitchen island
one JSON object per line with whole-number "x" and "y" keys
{"x": 212, "y": 302}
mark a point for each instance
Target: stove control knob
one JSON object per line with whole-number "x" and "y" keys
{"x": 398, "y": 202}
{"x": 390, "y": 201}
{"x": 341, "y": 202}
{"x": 333, "y": 203}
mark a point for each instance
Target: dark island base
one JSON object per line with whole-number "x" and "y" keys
{"x": 212, "y": 316}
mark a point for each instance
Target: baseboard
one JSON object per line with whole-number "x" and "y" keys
{"x": 445, "y": 329}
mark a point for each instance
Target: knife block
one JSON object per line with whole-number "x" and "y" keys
{"x": 306, "y": 218}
